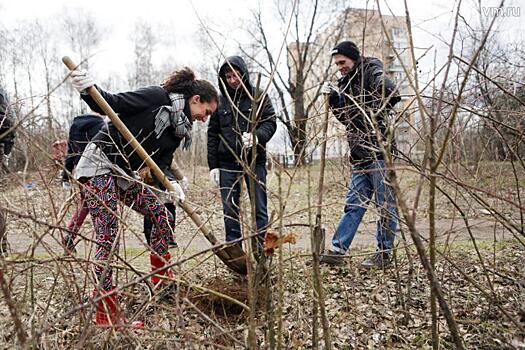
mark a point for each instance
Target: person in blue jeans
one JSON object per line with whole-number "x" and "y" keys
{"x": 362, "y": 100}
{"x": 233, "y": 140}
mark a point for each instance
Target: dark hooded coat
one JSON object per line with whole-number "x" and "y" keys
{"x": 229, "y": 122}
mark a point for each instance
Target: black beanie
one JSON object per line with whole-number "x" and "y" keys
{"x": 348, "y": 49}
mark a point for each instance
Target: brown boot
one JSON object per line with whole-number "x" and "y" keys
{"x": 157, "y": 264}
{"x": 333, "y": 258}
{"x": 108, "y": 313}
{"x": 379, "y": 260}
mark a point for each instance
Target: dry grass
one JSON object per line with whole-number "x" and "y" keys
{"x": 379, "y": 309}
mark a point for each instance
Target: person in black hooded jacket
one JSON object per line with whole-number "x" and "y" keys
{"x": 83, "y": 128}
{"x": 231, "y": 148}
{"x": 7, "y": 134}
{"x": 361, "y": 102}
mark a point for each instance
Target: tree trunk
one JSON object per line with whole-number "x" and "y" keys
{"x": 300, "y": 119}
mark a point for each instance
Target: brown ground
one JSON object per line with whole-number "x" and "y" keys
{"x": 366, "y": 310}
{"x": 45, "y": 201}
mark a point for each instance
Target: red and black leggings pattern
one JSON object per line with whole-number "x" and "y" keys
{"x": 101, "y": 195}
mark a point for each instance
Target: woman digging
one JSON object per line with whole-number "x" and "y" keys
{"x": 160, "y": 118}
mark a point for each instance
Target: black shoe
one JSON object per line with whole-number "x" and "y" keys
{"x": 333, "y": 258}
{"x": 3, "y": 249}
{"x": 379, "y": 260}
{"x": 172, "y": 244}
{"x": 69, "y": 245}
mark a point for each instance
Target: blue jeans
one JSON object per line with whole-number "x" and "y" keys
{"x": 364, "y": 185}
{"x": 230, "y": 195}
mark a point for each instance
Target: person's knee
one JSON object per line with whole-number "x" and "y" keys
{"x": 351, "y": 207}
{"x": 233, "y": 235}
{"x": 230, "y": 209}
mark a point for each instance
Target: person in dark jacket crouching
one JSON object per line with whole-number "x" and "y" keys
{"x": 362, "y": 100}
{"x": 231, "y": 145}
{"x": 160, "y": 118}
{"x": 83, "y": 128}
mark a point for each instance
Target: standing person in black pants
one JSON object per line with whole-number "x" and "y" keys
{"x": 231, "y": 148}
{"x": 172, "y": 175}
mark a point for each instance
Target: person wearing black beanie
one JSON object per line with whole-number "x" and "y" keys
{"x": 362, "y": 100}
{"x": 348, "y": 49}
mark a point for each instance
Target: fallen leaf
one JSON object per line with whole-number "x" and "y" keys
{"x": 272, "y": 241}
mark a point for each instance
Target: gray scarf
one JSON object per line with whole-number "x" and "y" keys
{"x": 174, "y": 115}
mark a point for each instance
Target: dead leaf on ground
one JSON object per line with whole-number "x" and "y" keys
{"x": 272, "y": 241}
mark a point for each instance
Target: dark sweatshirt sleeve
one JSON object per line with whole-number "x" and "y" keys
{"x": 130, "y": 102}
{"x": 166, "y": 168}
{"x": 213, "y": 140}
{"x": 164, "y": 164}
{"x": 267, "y": 123}
{"x": 342, "y": 107}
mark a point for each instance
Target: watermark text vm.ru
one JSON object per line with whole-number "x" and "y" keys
{"x": 506, "y": 11}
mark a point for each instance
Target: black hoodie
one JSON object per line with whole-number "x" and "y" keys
{"x": 229, "y": 122}
{"x": 81, "y": 132}
{"x": 370, "y": 89}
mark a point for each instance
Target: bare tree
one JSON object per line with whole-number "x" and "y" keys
{"x": 83, "y": 32}
{"x": 144, "y": 41}
{"x": 305, "y": 49}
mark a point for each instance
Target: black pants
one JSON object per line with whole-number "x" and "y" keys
{"x": 230, "y": 181}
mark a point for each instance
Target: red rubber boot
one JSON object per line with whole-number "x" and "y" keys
{"x": 108, "y": 312}
{"x": 158, "y": 262}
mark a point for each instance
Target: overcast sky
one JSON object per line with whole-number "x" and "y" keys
{"x": 178, "y": 22}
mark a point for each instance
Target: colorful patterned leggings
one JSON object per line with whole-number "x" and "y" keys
{"x": 101, "y": 195}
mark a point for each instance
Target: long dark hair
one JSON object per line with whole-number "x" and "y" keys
{"x": 183, "y": 82}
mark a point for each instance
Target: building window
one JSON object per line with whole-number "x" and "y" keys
{"x": 398, "y": 33}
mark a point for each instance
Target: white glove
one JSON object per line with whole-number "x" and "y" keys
{"x": 215, "y": 176}
{"x": 185, "y": 183}
{"x": 247, "y": 139}
{"x": 81, "y": 80}
{"x": 326, "y": 88}
{"x": 66, "y": 186}
{"x": 6, "y": 159}
{"x": 177, "y": 195}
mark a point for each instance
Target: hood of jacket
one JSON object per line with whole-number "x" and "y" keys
{"x": 84, "y": 122}
{"x": 238, "y": 63}
{"x": 364, "y": 64}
